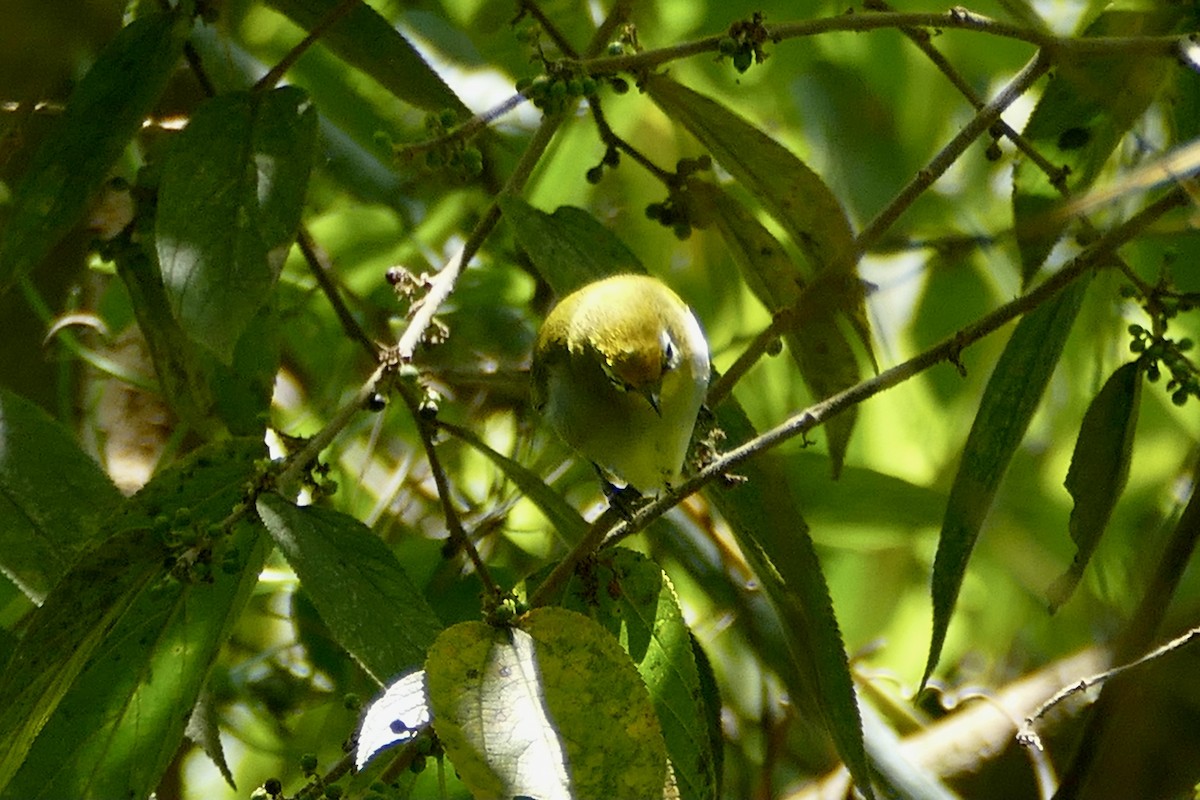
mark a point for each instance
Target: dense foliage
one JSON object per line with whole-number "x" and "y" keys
{"x": 271, "y": 275}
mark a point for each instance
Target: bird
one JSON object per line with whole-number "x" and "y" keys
{"x": 620, "y": 369}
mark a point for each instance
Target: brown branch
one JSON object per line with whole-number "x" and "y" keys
{"x": 320, "y": 266}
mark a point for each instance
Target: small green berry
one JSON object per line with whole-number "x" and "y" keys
{"x": 308, "y": 763}
{"x": 742, "y": 59}
{"x": 333, "y": 791}
{"x": 587, "y": 86}
{"x": 1180, "y": 397}
{"x": 595, "y": 175}
{"x": 619, "y": 85}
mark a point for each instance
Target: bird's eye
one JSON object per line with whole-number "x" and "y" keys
{"x": 670, "y": 358}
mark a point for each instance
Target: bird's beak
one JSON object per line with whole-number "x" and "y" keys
{"x": 651, "y": 395}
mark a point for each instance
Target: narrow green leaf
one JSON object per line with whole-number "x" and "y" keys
{"x": 75, "y": 618}
{"x": 569, "y": 248}
{"x": 793, "y": 193}
{"x": 372, "y": 44}
{"x": 552, "y": 708}
{"x": 1099, "y": 469}
{"x": 93, "y": 599}
{"x": 52, "y": 497}
{"x": 631, "y": 597}
{"x": 203, "y": 728}
{"x": 347, "y": 572}
{"x": 232, "y": 189}
{"x": 770, "y": 530}
{"x": 103, "y": 113}
{"x": 823, "y": 353}
{"x": 118, "y": 728}
{"x": 561, "y": 514}
{"x": 1009, "y": 400}
{"x": 1084, "y": 112}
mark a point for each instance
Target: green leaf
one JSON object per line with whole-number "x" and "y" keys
{"x": 357, "y": 585}
{"x": 103, "y": 113}
{"x": 551, "y": 708}
{"x": 229, "y": 202}
{"x": 632, "y": 598}
{"x": 822, "y": 351}
{"x": 770, "y": 530}
{"x": 52, "y": 497}
{"x": 93, "y": 600}
{"x": 118, "y": 728}
{"x": 1012, "y": 394}
{"x": 62, "y": 635}
{"x": 372, "y": 44}
{"x": 793, "y": 194}
{"x": 569, "y": 248}
{"x": 562, "y": 515}
{"x": 1099, "y": 469}
{"x": 1082, "y": 115}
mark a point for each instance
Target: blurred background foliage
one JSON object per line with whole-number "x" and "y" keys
{"x": 866, "y": 111}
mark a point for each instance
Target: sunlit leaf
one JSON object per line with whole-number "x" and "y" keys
{"x": 552, "y": 708}
{"x": 229, "y": 202}
{"x": 103, "y": 113}
{"x": 52, "y": 497}
{"x": 399, "y": 715}
{"x": 632, "y": 597}
{"x": 1012, "y": 395}
{"x": 357, "y": 584}
{"x": 1084, "y": 112}
{"x": 1099, "y": 469}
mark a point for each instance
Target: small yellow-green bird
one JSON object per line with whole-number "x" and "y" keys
{"x": 620, "y": 368}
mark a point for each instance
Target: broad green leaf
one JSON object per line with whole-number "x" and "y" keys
{"x": 1082, "y": 115}
{"x": 232, "y": 190}
{"x": 1012, "y": 394}
{"x": 630, "y": 596}
{"x": 552, "y": 708}
{"x": 816, "y": 340}
{"x": 103, "y": 113}
{"x": 793, "y": 194}
{"x": 357, "y": 584}
{"x": 768, "y": 526}
{"x": 372, "y": 44}
{"x": 1099, "y": 469}
{"x": 561, "y": 514}
{"x": 94, "y": 598}
{"x": 52, "y": 497}
{"x": 118, "y": 728}
{"x": 569, "y": 248}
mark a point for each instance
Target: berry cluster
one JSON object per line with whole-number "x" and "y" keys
{"x": 744, "y": 43}
{"x": 446, "y": 152}
{"x": 1157, "y": 350}
{"x": 678, "y": 212}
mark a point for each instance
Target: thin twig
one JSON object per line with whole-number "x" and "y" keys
{"x": 560, "y": 41}
{"x": 1028, "y": 737}
{"x": 611, "y": 139}
{"x": 276, "y": 73}
{"x": 319, "y": 265}
{"x": 957, "y": 19}
{"x": 458, "y": 534}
